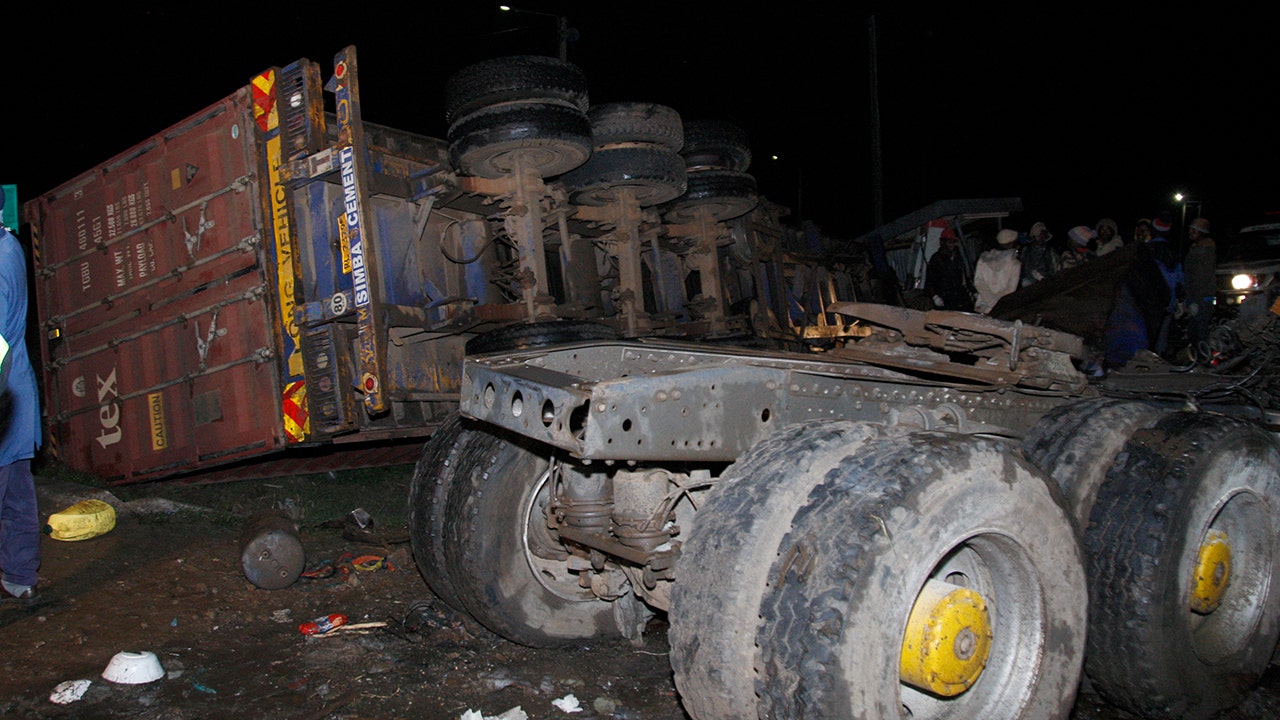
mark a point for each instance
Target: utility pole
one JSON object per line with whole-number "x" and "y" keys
{"x": 877, "y": 173}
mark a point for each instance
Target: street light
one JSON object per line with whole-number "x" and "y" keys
{"x": 563, "y": 32}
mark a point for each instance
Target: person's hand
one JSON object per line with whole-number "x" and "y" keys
{"x": 937, "y": 301}
{"x": 1193, "y": 310}
{"x": 1179, "y": 310}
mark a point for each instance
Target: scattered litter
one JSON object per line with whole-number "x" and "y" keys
{"x": 568, "y": 704}
{"x": 69, "y": 691}
{"x": 282, "y": 616}
{"x": 352, "y": 629}
{"x": 498, "y": 680}
{"x": 361, "y": 518}
{"x": 320, "y": 570}
{"x": 369, "y": 563}
{"x": 514, "y": 713}
{"x": 133, "y": 668}
{"x": 322, "y": 624}
{"x": 203, "y": 688}
{"x": 86, "y": 519}
{"x": 173, "y": 622}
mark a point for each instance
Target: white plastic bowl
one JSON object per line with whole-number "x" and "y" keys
{"x": 133, "y": 668}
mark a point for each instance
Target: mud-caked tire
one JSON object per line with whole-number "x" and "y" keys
{"x": 514, "y": 78}
{"x": 544, "y": 138}
{"x": 715, "y": 144}
{"x": 645, "y": 123}
{"x": 652, "y": 175}
{"x": 724, "y": 563}
{"x": 1174, "y": 631}
{"x": 1076, "y": 444}
{"x": 901, "y": 516}
{"x": 450, "y": 455}
{"x": 508, "y": 573}
{"x": 721, "y": 194}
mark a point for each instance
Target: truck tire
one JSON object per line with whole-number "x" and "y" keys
{"x": 452, "y": 452}
{"x": 520, "y": 336}
{"x": 514, "y": 78}
{"x": 1075, "y": 444}
{"x": 725, "y": 194}
{"x": 548, "y": 139}
{"x": 715, "y": 144}
{"x": 724, "y": 563}
{"x": 654, "y": 175}
{"x": 1155, "y": 524}
{"x": 509, "y": 573}
{"x": 878, "y": 534}
{"x": 637, "y": 122}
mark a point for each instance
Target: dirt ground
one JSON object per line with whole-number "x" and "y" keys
{"x": 168, "y": 579}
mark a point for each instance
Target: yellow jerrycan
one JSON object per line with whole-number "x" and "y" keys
{"x": 86, "y": 519}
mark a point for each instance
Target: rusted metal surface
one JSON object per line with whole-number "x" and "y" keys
{"x": 1001, "y": 352}
{"x": 670, "y": 401}
{"x": 157, "y": 334}
{"x": 235, "y": 286}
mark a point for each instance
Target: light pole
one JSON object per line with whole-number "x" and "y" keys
{"x": 564, "y": 33}
{"x": 1182, "y": 225}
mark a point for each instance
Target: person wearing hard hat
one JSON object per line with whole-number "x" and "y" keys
{"x": 19, "y": 432}
{"x": 997, "y": 272}
{"x": 1199, "y": 282}
{"x": 946, "y": 277}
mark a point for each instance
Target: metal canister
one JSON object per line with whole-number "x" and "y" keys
{"x": 271, "y": 553}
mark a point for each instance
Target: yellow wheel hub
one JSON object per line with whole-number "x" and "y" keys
{"x": 1212, "y": 574}
{"x": 948, "y": 639}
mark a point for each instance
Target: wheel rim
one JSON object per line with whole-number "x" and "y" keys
{"x": 547, "y": 558}
{"x": 1237, "y": 589}
{"x": 948, "y": 639}
{"x": 997, "y": 569}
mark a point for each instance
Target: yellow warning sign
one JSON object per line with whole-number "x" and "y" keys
{"x": 159, "y": 428}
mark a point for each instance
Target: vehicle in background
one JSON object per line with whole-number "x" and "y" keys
{"x": 1248, "y": 263}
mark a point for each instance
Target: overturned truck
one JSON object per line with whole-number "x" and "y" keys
{"x": 274, "y": 284}
{"x": 944, "y": 518}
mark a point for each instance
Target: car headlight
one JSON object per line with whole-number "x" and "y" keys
{"x": 1243, "y": 282}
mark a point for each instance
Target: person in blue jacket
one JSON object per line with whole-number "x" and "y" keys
{"x": 19, "y": 432}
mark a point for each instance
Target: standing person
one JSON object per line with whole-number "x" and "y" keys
{"x": 1199, "y": 265}
{"x": 1142, "y": 231}
{"x": 998, "y": 271}
{"x": 1108, "y": 236}
{"x": 1138, "y": 309}
{"x": 19, "y": 432}
{"x": 1171, "y": 267}
{"x": 1038, "y": 259}
{"x": 1080, "y": 251}
{"x": 947, "y": 277}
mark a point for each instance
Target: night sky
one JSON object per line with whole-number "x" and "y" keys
{"x": 1082, "y": 113}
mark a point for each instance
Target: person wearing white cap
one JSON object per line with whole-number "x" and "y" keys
{"x": 997, "y": 271}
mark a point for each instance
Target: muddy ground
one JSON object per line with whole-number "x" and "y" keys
{"x": 168, "y": 579}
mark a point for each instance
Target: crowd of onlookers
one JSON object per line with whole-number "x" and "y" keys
{"x": 1159, "y": 286}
